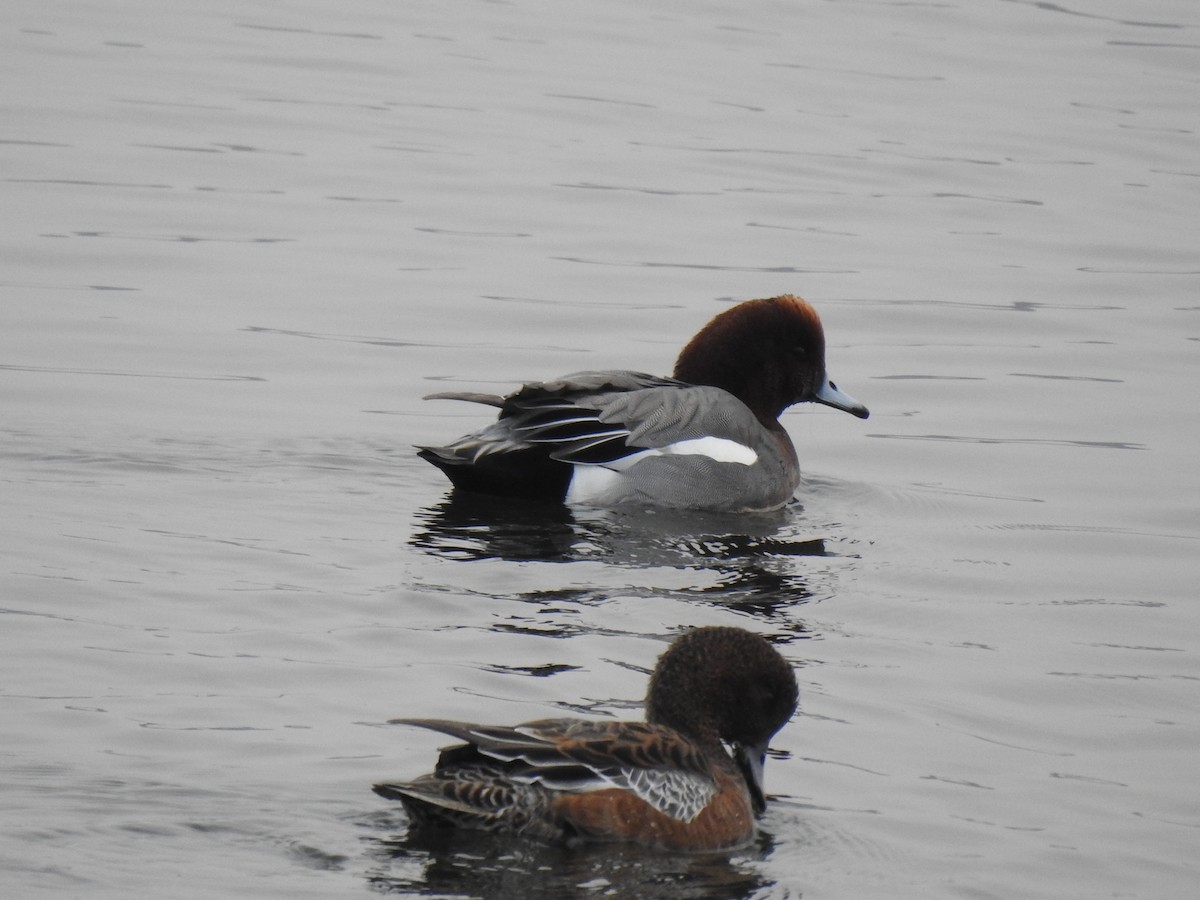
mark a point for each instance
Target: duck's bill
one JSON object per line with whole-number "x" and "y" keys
{"x": 750, "y": 763}
{"x": 831, "y": 396}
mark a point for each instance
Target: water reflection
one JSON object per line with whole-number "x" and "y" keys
{"x": 752, "y": 556}
{"x": 473, "y": 527}
{"x": 445, "y": 862}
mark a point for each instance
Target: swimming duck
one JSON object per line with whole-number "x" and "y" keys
{"x": 707, "y": 438}
{"x": 667, "y": 782}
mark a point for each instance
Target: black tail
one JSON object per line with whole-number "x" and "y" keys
{"x": 530, "y": 474}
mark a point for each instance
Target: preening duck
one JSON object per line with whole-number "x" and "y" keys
{"x": 667, "y": 782}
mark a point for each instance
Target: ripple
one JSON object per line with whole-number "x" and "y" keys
{"x": 711, "y": 267}
{"x": 174, "y": 376}
{"x": 1067, "y": 377}
{"x": 1041, "y": 442}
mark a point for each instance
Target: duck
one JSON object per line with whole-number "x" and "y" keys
{"x": 707, "y": 438}
{"x": 667, "y": 782}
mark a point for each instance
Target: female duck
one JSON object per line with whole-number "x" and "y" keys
{"x": 708, "y": 438}
{"x": 667, "y": 782}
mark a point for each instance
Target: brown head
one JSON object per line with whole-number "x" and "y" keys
{"x": 770, "y": 354}
{"x": 720, "y": 684}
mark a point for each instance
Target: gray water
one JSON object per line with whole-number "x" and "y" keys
{"x": 241, "y": 240}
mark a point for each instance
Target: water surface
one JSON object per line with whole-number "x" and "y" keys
{"x": 241, "y": 241}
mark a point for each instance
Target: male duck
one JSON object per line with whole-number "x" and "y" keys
{"x": 667, "y": 782}
{"x": 708, "y": 438}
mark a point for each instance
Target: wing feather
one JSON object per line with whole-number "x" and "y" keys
{"x": 654, "y": 763}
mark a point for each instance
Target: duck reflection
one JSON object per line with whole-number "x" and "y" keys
{"x": 442, "y": 862}
{"x": 470, "y": 526}
{"x": 752, "y": 556}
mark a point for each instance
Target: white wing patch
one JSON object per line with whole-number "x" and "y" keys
{"x": 591, "y": 481}
{"x": 720, "y": 449}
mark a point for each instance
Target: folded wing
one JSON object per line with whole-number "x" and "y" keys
{"x": 655, "y": 764}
